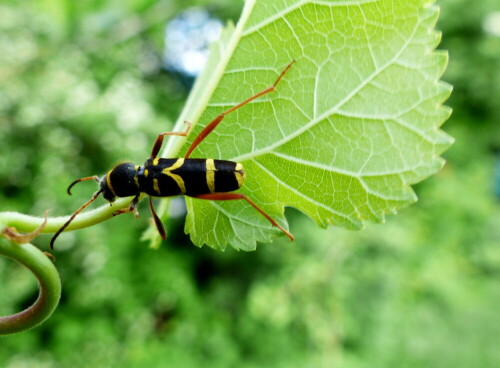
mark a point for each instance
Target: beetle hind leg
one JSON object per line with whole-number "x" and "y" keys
{"x": 235, "y": 196}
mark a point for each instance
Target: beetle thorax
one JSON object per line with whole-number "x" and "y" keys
{"x": 120, "y": 182}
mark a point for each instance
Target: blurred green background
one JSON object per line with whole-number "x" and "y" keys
{"x": 86, "y": 84}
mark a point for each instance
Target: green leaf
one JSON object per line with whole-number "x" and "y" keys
{"x": 351, "y": 126}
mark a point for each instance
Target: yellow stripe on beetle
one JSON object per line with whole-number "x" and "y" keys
{"x": 108, "y": 183}
{"x": 210, "y": 165}
{"x": 240, "y": 174}
{"x": 178, "y": 179}
{"x": 136, "y": 177}
{"x": 155, "y": 186}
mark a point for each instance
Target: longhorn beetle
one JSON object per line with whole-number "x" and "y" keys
{"x": 166, "y": 177}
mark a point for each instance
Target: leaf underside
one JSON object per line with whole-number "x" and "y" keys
{"x": 352, "y": 125}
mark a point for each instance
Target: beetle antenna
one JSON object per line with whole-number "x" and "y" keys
{"x": 94, "y": 197}
{"x": 95, "y": 177}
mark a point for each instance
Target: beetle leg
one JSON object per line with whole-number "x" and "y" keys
{"x": 159, "y": 140}
{"x": 235, "y": 196}
{"x": 158, "y": 223}
{"x": 131, "y": 208}
{"x": 213, "y": 124}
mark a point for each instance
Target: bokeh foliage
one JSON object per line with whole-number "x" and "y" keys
{"x": 81, "y": 87}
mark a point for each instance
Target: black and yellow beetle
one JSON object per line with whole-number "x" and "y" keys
{"x": 200, "y": 178}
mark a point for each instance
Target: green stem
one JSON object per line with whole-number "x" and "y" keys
{"x": 50, "y": 287}
{"x": 26, "y": 223}
{"x": 38, "y": 263}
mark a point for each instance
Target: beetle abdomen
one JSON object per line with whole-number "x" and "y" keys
{"x": 165, "y": 177}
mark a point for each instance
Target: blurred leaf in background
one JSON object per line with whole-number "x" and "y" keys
{"x": 82, "y": 85}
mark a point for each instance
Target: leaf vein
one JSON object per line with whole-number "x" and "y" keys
{"x": 309, "y": 199}
{"x": 329, "y": 112}
{"x": 284, "y": 12}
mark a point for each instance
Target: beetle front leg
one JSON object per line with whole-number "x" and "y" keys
{"x": 131, "y": 208}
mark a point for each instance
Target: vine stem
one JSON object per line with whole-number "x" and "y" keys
{"x": 38, "y": 263}
{"x": 50, "y": 287}
{"x": 27, "y": 223}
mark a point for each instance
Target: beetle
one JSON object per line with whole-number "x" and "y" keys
{"x": 201, "y": 178}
